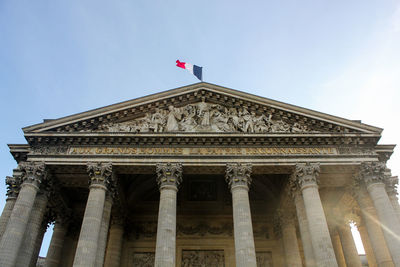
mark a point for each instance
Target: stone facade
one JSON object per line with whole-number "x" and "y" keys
{"x": 200, "y": 176}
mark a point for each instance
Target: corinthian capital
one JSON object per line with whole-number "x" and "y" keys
{"x": 238, "y": 174}
{"x": 391, "y": 182}
{"x": 99, "y": 173}
{"x": 169, "y": 174}
{"x": 306, "y": 174}
{"x": 33, "y": 172}
{"x": 13, "y": 185}
{"x": 372, "y": 172}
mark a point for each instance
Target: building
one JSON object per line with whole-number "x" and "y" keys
{"x": 201, "y": 175}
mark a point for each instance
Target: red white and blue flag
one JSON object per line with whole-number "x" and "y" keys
{"x": 193, "y": 69}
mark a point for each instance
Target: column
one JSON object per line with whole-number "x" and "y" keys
{"x": 114, "y": 246}
{"x": 306, "y": 175}
{"x": 337, "y": 246}
{"x": 373, "y": 176}
{"x": 239, "y": 180}
{"x": 348, "y": 245}
{"x": 86, "y": 251}
{"x": 169, "y": 176}
{"x": 53, "y": 257}
{"x": 13, "y": 185}
{"x": 391, "y": 182}
{"x": 33, "y": 174}
{"x": 38, "y": 244}
{"x": 287, "y": 227}
{"x": 303, "y": 226}
{"x": 104, "y": 231}
{"x": 367, "y": 245}
{"x": 33, "y": 230}
{"x": 372, "y": 224}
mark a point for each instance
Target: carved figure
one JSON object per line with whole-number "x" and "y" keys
{"x": 174, "y": 115}
{"x": 205, "y": 117}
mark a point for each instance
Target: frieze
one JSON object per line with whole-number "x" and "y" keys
{"x": 205, "y": 117}
{"x": 203, "y": 151}
{"x": 52, "y": 150}
{"x": 200, "y": 258}
{"x": 143, "y": 259}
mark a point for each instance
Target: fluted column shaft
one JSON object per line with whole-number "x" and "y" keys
{"x": 13, "y": 186}
{"x": 373, "y": 174}
{"x": 306, "y": 175}
{"x": 304, "y": 231}
{"x": 369, "y": 252}
{"x": 104, "y": 231}
{"x": 38, "y": 245}
{"x": 372, "y": 224}
{"x": 53, "y": 257}
{"x": 348, "y": 245}
{"x": 114, "y": 246}
{"x": 239, "y": 179}
{"x": 19, "y": 218}
{"x": 5, "y": 215}
{"x": 86, "y": 250}
{"x": 290, "y": 244}
{"x": 388, "y": 218}
{"x": 337, "y": 247}
{"x": 169, "y": 176}
{"x": 33, "y": 230}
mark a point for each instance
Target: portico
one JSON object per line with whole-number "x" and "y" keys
{"x": 200, "y": 176}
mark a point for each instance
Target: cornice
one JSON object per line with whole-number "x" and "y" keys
{"x": 190, "y": 94}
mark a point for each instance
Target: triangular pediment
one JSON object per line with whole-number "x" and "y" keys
{"x": 202, "y": 107}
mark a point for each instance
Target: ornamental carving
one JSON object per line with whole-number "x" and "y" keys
{"x": 143, "y": 259}
{"x": 264, "y": 259}
{"x": 13, "y": 186}
{"x": 100, "y": 173}
{"x": 169, "y": 174}
{"x": 306, "y": 174}
{"x": 201, "y": 258}
{"x": 203, "y": 229}
{"x": 372, "y": 172}
{"x": 33, "y": 172}
{"x": 238, "y": 174}
{"x": 205, "y": 117}
{"x": 391, "y": 182}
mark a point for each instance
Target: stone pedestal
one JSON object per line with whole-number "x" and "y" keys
{"x": 371, "y": 222}
{"x": 169, "y": 176}
{"x": 33, "y": 230}
{"x": 114, "y": 246}
{"x": 306, "y": 175}
{"x": 304, "y": 231}
{"x": 238, "y": 178}
{"x": 369, "y": 252}
{"x": 348, "y": 245}
{"x": 19, "y": 218}
{"x": 53, "y": 257}
{"x": 104, "y": 231}
{"x": 86, "y": 250}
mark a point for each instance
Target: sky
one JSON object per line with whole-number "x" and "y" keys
{"x": 59, "y": 58}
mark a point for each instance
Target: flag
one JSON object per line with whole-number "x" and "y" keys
{"x": 193, "y": 69}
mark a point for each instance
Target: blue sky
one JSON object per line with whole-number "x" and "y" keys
{"x": 62, "y": 57}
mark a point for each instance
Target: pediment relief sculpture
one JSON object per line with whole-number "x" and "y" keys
{"x": 205, "y": 117}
